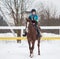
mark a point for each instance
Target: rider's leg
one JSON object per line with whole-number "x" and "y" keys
{"x": 38, "y": 30}
{"x": 25, "y": 33}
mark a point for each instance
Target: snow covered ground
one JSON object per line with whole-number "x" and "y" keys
{"x": 43, "y": 34}
{"x": 49, "y": 50}
{"x": 13, "y": 50}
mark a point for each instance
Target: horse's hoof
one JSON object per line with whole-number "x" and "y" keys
{"x": 38, "y": 53}
{"x": 31, "y": 56}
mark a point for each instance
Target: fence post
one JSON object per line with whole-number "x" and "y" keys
{"x": 22, "y": 32}
{"x": 59, "y": 31}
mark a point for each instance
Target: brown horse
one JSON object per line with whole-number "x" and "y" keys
{"x": 32, "y": 37}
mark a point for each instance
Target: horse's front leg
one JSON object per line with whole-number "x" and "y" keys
{"x": 29, "y": 47}
{"x": 39, "y": 46}
{"x": 32, "y": 48}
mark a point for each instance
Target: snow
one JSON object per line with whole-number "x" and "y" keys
{"x": 43, "y": 34}
{"x": 49, "y": 50}
{"x": 7, "y": 34}
{"x": 49, "y": 35}
{"x": 11, "y": 35}
{"x": 13, "y": 50}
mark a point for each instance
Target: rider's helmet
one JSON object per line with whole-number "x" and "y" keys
{"x": 33, "y": 10}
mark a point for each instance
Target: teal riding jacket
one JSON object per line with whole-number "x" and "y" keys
{"x": 33, "y": 17}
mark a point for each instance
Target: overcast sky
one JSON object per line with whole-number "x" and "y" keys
{"x": 55, "y": 3}
{"x": 52, "y": 3}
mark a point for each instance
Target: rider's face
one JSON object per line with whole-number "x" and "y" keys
{"x": 33, "y": 13}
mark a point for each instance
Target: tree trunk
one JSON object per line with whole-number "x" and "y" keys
{"x": 18, "y": 35}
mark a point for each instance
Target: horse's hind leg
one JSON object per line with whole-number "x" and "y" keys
{"x": 39, "y": 46}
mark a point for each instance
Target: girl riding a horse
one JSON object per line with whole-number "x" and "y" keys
{"x": 33, "y": 33}
{"x": 34, "y": 18}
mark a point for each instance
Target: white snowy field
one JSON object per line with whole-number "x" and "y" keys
{"x": 13, "y": 50}
{"x": 43, "y": 34}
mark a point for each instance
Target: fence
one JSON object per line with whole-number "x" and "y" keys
{"x": 22, "y": 29}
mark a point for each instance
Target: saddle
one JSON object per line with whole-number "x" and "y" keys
{"x": 37, "y": 29}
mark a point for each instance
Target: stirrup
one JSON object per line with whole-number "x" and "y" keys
{"x": 25, "y": 34}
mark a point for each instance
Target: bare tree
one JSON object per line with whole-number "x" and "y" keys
{"x": 15, "y": 9}
{"x": 47, "y": 12}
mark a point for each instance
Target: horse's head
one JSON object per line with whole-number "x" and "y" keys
{"x": 31, "y": 26}
{"x": 30, "y": 22}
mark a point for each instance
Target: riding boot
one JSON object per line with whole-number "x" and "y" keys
{"x": 38, "y": 31}
{"x": 25, "y": 33}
